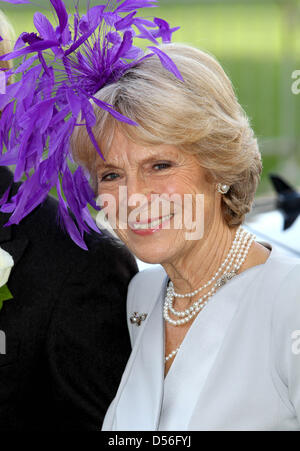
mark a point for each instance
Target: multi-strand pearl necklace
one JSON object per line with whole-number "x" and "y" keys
{"x": 229, "y": 268}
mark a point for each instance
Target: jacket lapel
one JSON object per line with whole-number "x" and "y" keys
{"x": 198, "y": 352}
{"x": 138, "y": 403}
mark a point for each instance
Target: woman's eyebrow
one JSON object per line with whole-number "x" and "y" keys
{"x": 151, "y": 159}
{"x": 158, "y": 157}
{"x": 104, "y": 166}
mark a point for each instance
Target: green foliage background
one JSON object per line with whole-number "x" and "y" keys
{"x": 258, "y": 44}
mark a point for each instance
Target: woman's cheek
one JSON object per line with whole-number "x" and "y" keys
{"x": 183, "y": 183}
{"x": 171, "y": 187}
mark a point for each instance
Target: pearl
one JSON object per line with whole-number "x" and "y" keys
{"x": 237, "y": 255}
{"x": 240, "y": 233}
{"x": 172, "y": 354}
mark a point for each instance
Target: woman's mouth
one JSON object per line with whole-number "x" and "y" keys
{"x": 151, "y": 226}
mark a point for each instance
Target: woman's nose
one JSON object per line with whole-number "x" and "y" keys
{"x": 138, "y": 185}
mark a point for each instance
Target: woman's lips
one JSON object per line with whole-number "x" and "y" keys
{"x": 151, "y": 226}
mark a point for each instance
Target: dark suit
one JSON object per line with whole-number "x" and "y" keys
{"x": 66, "y": 335}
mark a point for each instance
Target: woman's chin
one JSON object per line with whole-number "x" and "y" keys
{"x": 149, "y": 260}
{"x": 154, "y": 249}
{"x": 153, "y": 255}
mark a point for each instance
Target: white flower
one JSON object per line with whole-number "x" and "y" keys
{"x": 6, "y": 264}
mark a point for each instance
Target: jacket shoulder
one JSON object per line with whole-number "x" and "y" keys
{"x": 148, "y": 281}
{"x": 287, "y": 299}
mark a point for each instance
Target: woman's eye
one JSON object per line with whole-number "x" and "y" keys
{"x": 160, "y": 166}
{"x": 109, "y": 177}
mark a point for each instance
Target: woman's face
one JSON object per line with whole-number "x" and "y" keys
{"x": 154, "y": 218}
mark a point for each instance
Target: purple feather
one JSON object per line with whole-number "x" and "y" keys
{"x": 129, "y": 5}
{"x": 26, "y": 64}
{"x": 36, "y": 47}
{"x": 125, "y": 46}
{"x": 74, "y": 102}
{"x": 79, "y": 42}
{"x": 6, "y": 98}
{"x": 17, "y": 2}
{"x": 126, "y": 22}
{"x": 44, "y": 27}
{"x": 88, "y": 113}
{"x": 94, "y": 141}
{"x": 95, "y": 16}
{"x": 105, "y": 106}
{"x": 8, "y": 159}
{"x": 67, "y": 221}
{"x": 167, "y": 62}
{"x": 113, "y": 37}
{"x": 5, "y": 196}
{"x": 144, "y": 33}
{"x": 59, "y": 79}
{"x": 31, "y": 38}
{"x": 165, "y": 32}
{"x": 61, "y": 14}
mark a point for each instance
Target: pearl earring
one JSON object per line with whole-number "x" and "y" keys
{"x": 223, "y": 189}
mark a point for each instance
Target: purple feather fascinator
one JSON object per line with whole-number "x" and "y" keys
{"x": 58, "y": 70}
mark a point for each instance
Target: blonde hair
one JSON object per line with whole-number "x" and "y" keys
{"x": 6, "y": 45}
{"x": 201, "y": 116}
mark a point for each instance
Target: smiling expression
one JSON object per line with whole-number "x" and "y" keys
{"x": 147, "y": 171}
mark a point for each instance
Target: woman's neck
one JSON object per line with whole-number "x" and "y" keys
{"x": 201, "y": 260}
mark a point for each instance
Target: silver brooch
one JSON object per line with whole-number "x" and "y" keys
{"x": 225, "y": 278}
{"x": 137, "y": 318}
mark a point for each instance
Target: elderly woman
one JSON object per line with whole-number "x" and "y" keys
{"x": 214, "y": 330}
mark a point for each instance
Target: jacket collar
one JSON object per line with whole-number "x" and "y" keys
{"x": 143, "y": 388}
{"x": 145, "y": 369}
{"x": 6, "y": 179}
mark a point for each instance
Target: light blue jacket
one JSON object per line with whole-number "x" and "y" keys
{"x": 238, "y": 367}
